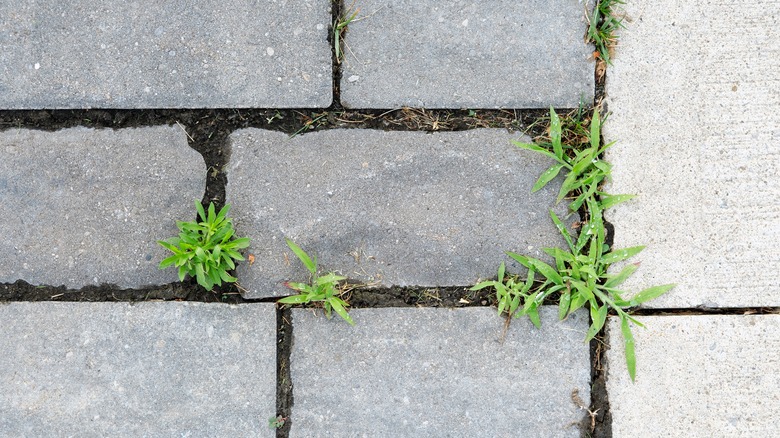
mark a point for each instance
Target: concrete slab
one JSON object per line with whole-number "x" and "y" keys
{"x": 146, "y": 369}
{"x": 84, "y": 206}
{"x": 437, "y": 372}
{"x": 697, "y": 376}
{"x": 389, "y": 208}
{"x": 460, "y": 54}
{"x": 701, "y": 148}
{"x": 206, "y": 54}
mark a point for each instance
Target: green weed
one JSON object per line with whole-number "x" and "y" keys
{"x": 205, "y": 250}
{"x": 276, "y": 422}
{"x": 580, "y": 276}
{"x": 339, "y": 27}
{"x": 603, "y": 28}
{"x": 321, "y": 289}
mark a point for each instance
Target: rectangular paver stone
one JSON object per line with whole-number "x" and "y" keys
{"x": 84, "y": 206}
{"x": 176, "y": 54}
{"x": 417, "y": 372}
{"x": 695, "y": 116}
{"x": 146, "y": 369}
{"x": 697, "y": 376}
{"x": 389, "y": 208}
{"x": 464, "y": 54}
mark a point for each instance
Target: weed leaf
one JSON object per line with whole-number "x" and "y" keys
{"x": 302, "y": 256}
{"x": 629, "y": 343}
{"x": 651, "y": 293}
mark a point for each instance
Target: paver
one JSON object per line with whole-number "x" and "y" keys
{"x": 387, "y": 208}
{"x": 461, "y": 54}
{"x": 701, "y": 148}
{"x": 84, "y": 206}
{"x": 144, "y": 369}
{"x": 437, "y": 372}
{"x": 697, "y": 376}
{"x": 176, "y": 54}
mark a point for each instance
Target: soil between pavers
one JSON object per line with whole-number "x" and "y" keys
{"x": 438, "y": 372}
{"x": 144, "y": 369}
{"x": 387, "y": 208}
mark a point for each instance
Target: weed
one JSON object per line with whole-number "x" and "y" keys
{"x": 321, "y": 289}
{"x": 586, "y": 170}
{"x": 580, "y": 276}
{"x": 339, "y": 27}
{"x": 205, "y": 250}
{"x": 276, "y": 422}
{"x": 603, "y": 28}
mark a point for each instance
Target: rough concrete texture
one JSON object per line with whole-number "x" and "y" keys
{"x": 84, "y": 206}
{"x": 386, "y": 208}
{"x": 697, "y": 376}
{"x": 146, "y": 369}
{"x": 462, "y": 54}
{"x": 175, "y": 54}
{"x": 438, "y": 372}
{"x": 701, "y": 148}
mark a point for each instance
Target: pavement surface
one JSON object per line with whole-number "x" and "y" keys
{"x": 693, "y": 105}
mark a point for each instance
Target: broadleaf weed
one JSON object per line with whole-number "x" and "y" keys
{"x": 205, "y": 249}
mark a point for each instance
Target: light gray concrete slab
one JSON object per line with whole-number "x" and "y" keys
{"x": 461, "y": 54}
{"x": 697, "y": 376}
{"x": 146, "y": 369}
{"x": 694, "y": 112}
{"x": 176, "y": 54}
{"x": 437, "y": 372}
{"x": 389, "y": 208}
{"x": 84, "y": 206}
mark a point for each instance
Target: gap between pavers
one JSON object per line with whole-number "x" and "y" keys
{"x": 387, "y": 208}
{"x": 206, "y": 54}
{"x": 438, "y": 372}
{"x": 695, "y": 116}
{"x": 85, "y": 207}
{"x": 462, "y": 54}
{"x": 144, "y": 369}
{"x": 697, "y": 376}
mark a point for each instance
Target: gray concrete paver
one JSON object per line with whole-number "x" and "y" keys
{"x": 143, "y": 369}
{"x": 697, "y": 376}
{"x": 461, "y": 54}
{"x": 205, "y": 54}
{"x": 437, "y": 372}
{"x": 694, "y": 113}
{"x": 387, "y": 208}
{"x": 85, "y": 207}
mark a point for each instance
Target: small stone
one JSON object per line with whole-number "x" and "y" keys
{"x": 353, "y": 78}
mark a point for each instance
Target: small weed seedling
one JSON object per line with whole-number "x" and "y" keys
{"x": 603, "y": 28}
{"x": 205, "y": 250}
{"x": 339, "y": 27}
{"x": 321, "y": 289}
{"x": 276, "y": 422}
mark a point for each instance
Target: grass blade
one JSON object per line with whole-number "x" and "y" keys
{"x": 651, "y": 293}
{"x": 555, "y": 134}
{"x": 338, "y": 306}
{"x": 621, "y": 254}
{"x": 630, "y": 351}
{"x": 547, "y": 176}
{"x": 301, "y": 254}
